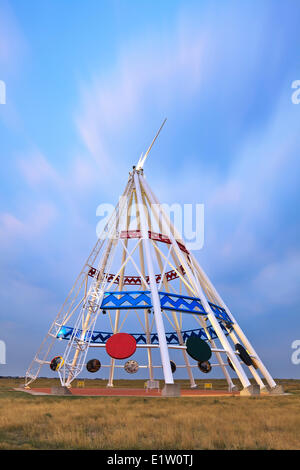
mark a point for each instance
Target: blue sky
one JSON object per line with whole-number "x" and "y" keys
{"x": 87, "y": 85}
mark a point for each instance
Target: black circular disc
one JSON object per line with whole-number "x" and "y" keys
{"x": 230, "y": 363}
{"x": 205, "y": 366}
{"x": 243, "y": 354}
{"x": 56, "y": 363}
{"x": 93, "y": 365}
{"x": 173, "y": 366}
{"x": 198, "y": 349}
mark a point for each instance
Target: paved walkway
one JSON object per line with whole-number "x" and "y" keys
{"x": 131, "y": 392}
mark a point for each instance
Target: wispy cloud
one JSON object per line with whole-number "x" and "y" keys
{"x": 37, "y": 170}
{"x": 224, "y": 62}
{"x": 13, "y": 44}
{"x": 13, "y": 49}
{"x": 221, "y": 74}
{"x": 145, "y": 73}
{"x": 29, "y": 227}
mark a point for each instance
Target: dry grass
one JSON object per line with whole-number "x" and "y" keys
{"x": 36, "y": 422}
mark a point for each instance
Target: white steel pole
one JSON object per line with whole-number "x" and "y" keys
{"x": 87, "y": 315}
{"x": 231, "y": 385}
{"x": 206, "y": 281}
{"x": 196, "y": 285}
{"x": 239, "y": 331}
{"x": 251, "y": 368}
{"x": 165, "y": 359}
{"x": 146, "y": 315}
{"x": 120, "y": 286}
{"x": 177, "y": 326}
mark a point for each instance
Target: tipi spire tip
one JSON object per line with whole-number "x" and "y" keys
{"x": 142, "y": 159}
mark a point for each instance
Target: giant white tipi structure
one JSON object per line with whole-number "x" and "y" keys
{"x": 141, "y": 273}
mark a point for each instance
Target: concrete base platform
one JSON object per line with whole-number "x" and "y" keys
{"x": 171, "y": 390}
{"x": 152, "y": 385}
{"x": 278, "y": 390}
{"x": 250, "y": 391}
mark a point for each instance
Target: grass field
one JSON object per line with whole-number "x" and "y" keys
{"x": 48, "y": 422}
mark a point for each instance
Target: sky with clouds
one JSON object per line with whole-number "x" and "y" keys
{"x": 87, "y": 86}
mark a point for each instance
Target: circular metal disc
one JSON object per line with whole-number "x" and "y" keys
{"x": 243, "y": 354}
{"x": 56, "y": 363}
{"x": 120, "y": 346}
{"x": 93, "y": 365}
{"x": 198, "y": 349}
{"x": 205, "y": 366}
{"x": 131, "y": 367}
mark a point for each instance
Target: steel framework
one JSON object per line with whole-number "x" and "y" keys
{"x": 179, "y": 293}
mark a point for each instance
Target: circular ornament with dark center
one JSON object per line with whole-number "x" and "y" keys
{"x": 198, "y": 349}
{"x": 131, "y": 367}
{"x": 56, "y": 363}
{"x": 205, "y": 366}
{"x": 93, "y": 365}
{"x": 243, "y": 354}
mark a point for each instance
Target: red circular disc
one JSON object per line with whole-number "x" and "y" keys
{"x": 120, "y": 346}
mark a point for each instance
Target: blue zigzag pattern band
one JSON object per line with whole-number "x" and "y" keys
{"x": 100, "y": 337}
{"x": 142, "y": 299}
